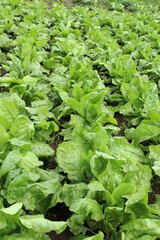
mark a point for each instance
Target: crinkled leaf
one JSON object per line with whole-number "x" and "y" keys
{"x": 140, "y": 177}
{"x": 39, "y": 224}
{"x": 10, "y": 162}
{"x": 4, "y": 137}
{"x": 89, "y": 207}
{"x": 69, "y": 159}
{"x": 8, "y": 113}
{"x": 122, "y": 190}
{"x": 41, "y": 149}
{"x": 22, "y": 129}
{"x": 72, "y": 192}
{"x": 31, "y": 194}
{"x": 139, "y": 227}
{"x": 29, "y": 161}
{"x": 144, "y": 132}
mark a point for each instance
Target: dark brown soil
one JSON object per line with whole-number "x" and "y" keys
{"x": 2, "y": 71}
{"x": 54, "y": 145}
{"x": 61, "y": 213}
{"x": 156, "y": 185}
{"x": 156, "y": 188}
{"x": 151, "y": 198}
{"x": 63, "y": 236}
{"x": 121, "y": 122}
{"x": 51, "y": 163}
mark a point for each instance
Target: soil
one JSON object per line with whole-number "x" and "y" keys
{"x": 156, "y": 185}
{"x": 63, "y": 236}
{"x": 121, "y": 121}
{"x": 51, "y": 164}
{"x": 151, "y": 198}
{"x": 156, "y": 188}
{"x": 2, "y": 71}
{"x": 61, "y": 213}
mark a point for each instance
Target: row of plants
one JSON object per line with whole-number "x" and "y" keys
{"x": 118, "y": 5}
{"x": 67, "y": 79}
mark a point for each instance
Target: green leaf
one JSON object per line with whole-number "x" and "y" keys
{"x": 99, "y": 163}
{"x": 4, "y": 137}
{"x": 121, "y": 149}
{"x": 72, "y": 192}
{"x": 112, "y": 176}
{"x": 89, "y": 207}
{"x": 98, "y": 236}
{"x": 154, "y": 152}
{"x": 10, "y": 162}
{"x": 70, "y": 160}
{"x": 22, "y": 129}
{"x": 140, "y": 177}
{"x": 8, "y": 113}
{"x": 144, "y": 132}
{"x": 46, "y": 175}
{"x": 41, "y": 225}
{"x": 12, "y": 210}
{"x": 76, "y": 223}
{"x": 154, "y": 155}
{"x": 76, "y": 120}
{"x": 141, "y": 195}
{"x": 29, "y": 161}
{"x": 30, "y": 81}
{"x": 99, "y": 193}
{"x": 32, "y": 194}
{"x": 114, "y": 215}
{"x": 122, "y": 190}
{"x": 139, "y": 227}
{"x": 76, "y": 106}
{"x": 41, "y": 149}
{"x": 6, "y": 213}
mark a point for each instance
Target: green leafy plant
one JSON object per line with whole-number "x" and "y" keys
{"x": 68, "y": 80}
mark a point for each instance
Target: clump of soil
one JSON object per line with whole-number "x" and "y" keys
{"x": 151, "y": 198}
{"x": 156, "y": 185}
{"x": 61, "y": 213}
{"x": 63, "y": 236}
{"x": 121, "y": 123}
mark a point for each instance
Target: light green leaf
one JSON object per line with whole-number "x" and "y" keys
{"x": 72, "y": 192}
{"x": 139, "y": 227}
{"x": 140, "y": 177}
{"x": 41, "y": 225}
{"x": 76, "y": 106}
{"x": 88, "y": 207}
{"x": 8, "y": 113}
{"x": 141, "y": 195}
{"x": 99, "y": 236}
{"x": 29, "y": 161}
{"x": 121, "y": 149}
{"x": 99, "y": 193}
{"x": 114, "y": 215}
{"x": 144, "y": 132}
{"x": 41, "y": 149}
{"x": 12, "y": 210}
{"x": 4, "y": 137}
{"x": 32, "y": 194}
{"x": 69, "y": 159}
{"x": 22, "y": 129}
{"x": 122, "y": 190}
{"x": 154, "y": 155}
{"x": 10, "y": 162}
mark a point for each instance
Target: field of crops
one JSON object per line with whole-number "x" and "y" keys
{"x": 79, "y": 121}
